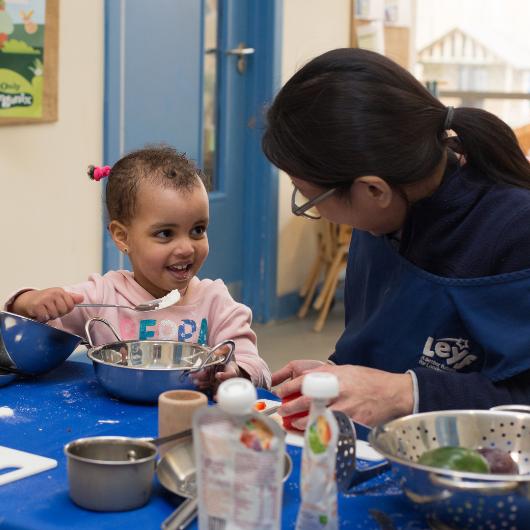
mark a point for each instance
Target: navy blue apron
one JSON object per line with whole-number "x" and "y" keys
{"x": 400, "y": 317}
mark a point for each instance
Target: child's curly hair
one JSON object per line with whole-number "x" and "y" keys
{"x": 161, "y": 164}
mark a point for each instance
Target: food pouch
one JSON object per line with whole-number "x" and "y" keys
{"x": 239, "y": 454}
{"x": 318, "y": 508}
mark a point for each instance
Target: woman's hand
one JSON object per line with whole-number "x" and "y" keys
{"x": 366, "y": 395}
{"x": 291, "y": 371}
{"x": 45, "y": 305}
{"x": 290, "y": 380}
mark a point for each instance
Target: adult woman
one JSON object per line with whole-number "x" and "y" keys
{"x": 438, "y": 279}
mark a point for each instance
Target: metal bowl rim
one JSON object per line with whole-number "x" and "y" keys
{"x": 285, "y": 476}
{"x": 481, "y": 477}
{"x": 42, "y": 324}
{"x": 91, "y": 439}
{"x": 7, "y": 377}
{"x": 91, "y": 351}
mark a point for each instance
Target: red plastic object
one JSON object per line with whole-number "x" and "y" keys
{"x": 287, "y": 421}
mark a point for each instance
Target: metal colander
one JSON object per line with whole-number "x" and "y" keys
{"x": 457, "y": 499}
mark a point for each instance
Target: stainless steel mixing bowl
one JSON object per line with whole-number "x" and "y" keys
{"x": 457, "y": 499}
{"x": 30, "y": 347}
{"x": 140, "y": 370}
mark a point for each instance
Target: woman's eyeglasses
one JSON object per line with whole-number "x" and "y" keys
{"x": 307, "y": 209}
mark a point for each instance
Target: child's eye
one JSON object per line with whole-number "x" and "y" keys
{"x": 163, "y": 234}
{"x": 198, "y": 231}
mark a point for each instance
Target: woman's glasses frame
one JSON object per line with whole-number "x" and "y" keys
{"x": 302, "y": 210}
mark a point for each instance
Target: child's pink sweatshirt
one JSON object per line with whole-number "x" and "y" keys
{"x": 209, "y": 316}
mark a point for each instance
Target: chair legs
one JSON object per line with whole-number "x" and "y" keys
{"x": 334, "y": 270}
{"x": 323, "y": 315}
{"x": 311, "y": 288}
{"x": 312, "y": 277}
{"x": 331, "y": 259}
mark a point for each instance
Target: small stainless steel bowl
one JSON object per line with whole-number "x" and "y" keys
{"x": 32, "y": 348}
{"x": 110, "y": 473}
{"x": 176, "y": 471}
{"x": 140, "y": 370}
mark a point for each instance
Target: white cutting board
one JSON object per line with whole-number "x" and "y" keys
{"x": 26, "y": 463}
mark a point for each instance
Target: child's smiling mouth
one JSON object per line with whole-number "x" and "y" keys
{"x": 180, "y": 271}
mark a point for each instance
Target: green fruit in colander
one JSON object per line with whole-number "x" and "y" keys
{"x": 455, "y": 458}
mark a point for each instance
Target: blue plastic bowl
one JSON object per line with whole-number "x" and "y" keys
{"x": 32, "y": 348}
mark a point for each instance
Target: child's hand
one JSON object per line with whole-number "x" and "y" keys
{"x": 214, "y": 376}
{"x": 230, "y": 370}
{"x": 46, "y": 304}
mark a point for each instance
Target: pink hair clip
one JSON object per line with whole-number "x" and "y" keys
{"x": 98, "y": 172}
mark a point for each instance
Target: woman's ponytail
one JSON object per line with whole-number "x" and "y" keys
{"x": 490, "y": 146}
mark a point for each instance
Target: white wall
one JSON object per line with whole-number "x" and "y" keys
{"x": 310, "y": 27}
{"x": 50, "y": 212}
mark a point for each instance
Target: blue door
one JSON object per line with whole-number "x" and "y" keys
{"x": 196, "y": 74}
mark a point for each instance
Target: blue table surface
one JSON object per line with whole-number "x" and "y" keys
{"x": 69, "y": 403}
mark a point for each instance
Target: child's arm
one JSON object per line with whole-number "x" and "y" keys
{"x": 46, "y": 304}
{"x": 231, "y": 320}
{"x": 55, "y": 306}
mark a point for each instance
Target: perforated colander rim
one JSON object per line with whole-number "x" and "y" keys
{"x": 464, "y": 475}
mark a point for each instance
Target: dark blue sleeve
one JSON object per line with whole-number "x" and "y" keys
{"x": 511, "y": 249}
{"x": 445, "y": 391}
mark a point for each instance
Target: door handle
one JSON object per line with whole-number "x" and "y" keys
{"x": 241, "y": 52}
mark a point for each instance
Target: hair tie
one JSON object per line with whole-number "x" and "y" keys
{"x": 449, "y": 118}
{"x": 98, "y": 172}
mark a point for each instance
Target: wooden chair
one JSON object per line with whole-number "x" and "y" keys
{"x": 331, "y": 259}
{"x": 523, "y": 137}
{"x": 321, "y": 264}
{"x": 339, "y": 262}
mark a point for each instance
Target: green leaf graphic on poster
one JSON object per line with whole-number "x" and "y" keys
{"x": 22, "y": 27}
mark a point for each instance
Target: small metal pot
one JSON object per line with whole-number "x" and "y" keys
{"x": 32, "y": 348}
{"x": 140, "y": 370}
{"x": 110, "y": 473}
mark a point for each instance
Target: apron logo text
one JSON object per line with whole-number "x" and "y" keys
{"x": 448, "y": 354}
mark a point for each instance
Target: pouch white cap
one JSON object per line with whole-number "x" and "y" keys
{"x": 236, "y": 396}
{"x": 320, "y": 385}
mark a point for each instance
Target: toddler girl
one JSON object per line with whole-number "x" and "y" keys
{"x": 158, "y": 211}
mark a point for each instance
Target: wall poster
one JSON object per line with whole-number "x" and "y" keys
{"x": 28, "y": 61}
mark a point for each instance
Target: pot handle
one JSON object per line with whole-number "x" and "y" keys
{"x": 182, "y": 516}
{"x": 501, "y": 486}
{"x": 169, "y": 438}
{"x": 230, "y": 343}
{"x": 90, "y": 322}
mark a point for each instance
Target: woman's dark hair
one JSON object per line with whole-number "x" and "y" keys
{"x": 159, "y": 164}
{"x": 352, "y": 112}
